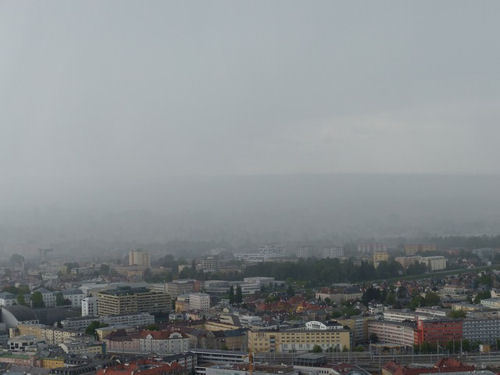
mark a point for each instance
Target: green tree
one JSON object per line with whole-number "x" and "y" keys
{"x": 371, "y": 294}
{"x": 90, "y": 330}
{"x": 456, "y": 314}
{"x": 482, "y": 295}
{"x": 21, "y": 300}
{"x": 59, "y": 299}
{"x": 290, "y": 292}
{"x": 239, "y": 295}
{"x": 466, "y": 347}
{"x": 231, "y": 295}
{"x": 431, "y": 299}
{"x": 37, "y": 300}
{"x": 390, "y": 299}
{"x": 416, "y": 301}
{"x": 317, "y": 349}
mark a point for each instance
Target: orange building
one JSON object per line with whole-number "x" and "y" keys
{"x": 438, "y": 331}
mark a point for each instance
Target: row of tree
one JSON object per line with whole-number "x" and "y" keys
{"x": 235, "y": 296}
{"x": 326, "y": 271}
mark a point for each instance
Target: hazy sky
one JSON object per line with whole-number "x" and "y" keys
{"x": 106, "y": 91}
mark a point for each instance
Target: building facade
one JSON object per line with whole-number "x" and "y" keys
{"x": 438, "y": 331}
{"x": 127, "y": 300}
{"x": 387, "y": 332}
{"x": 485, "y": 331}
{"x": 139, "y": 258}
{"x": 199, "y": 301}
{"x": 298, "y": 340}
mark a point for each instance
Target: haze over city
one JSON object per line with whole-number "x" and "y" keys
{"x": 233, "y": 187}
{"x": 248, "y": 120}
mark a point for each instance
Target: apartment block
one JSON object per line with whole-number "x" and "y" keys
{"x": 292, "y": 340}
{"x": 485, "y": 331}
{"x": 128, "y": 300}
{"x": 398, "y": 333}
{"x": 139, "y": 258}
{"x": 199, "y": 301}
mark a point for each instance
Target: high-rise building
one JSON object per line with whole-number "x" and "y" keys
{"x": 125, "y": 300}
{"x": 412, "y": 249}
{"x": 199, "y": 301}
{"x": 380, "y": 256}
{"x": 371, "y": 247}
{"x": 139, "y": 258}
{"x": 89, "y": 306}
{"x": 333, "y": 252}
{"x": 177, "y": 287}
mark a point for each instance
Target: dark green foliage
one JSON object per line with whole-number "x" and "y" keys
{"x": 238, "y": 298}
{"x": 37, "y": 300}
{"x": 456, "y": 314}
{"x": 317, "y": 349}
{"x": 317, "y": 272}
{"x": 90, "y": 330}
{"x": 482, "y": 295}
{"x": 60, "y": 301}
{"x": 21, "y": 300}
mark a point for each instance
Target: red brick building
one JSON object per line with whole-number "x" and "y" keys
{"x": 144, "y": 367}
{"x": 446, "y": 365}
{"x": 438, "y": 331}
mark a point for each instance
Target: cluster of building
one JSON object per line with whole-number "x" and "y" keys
{"x": 119, "y": 323}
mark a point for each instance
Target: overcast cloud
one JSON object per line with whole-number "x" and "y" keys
{"x": 126, "y": 120}
{"x": 116, "y": 90}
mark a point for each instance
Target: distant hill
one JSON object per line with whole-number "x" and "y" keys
{"x": 257, "y": 208}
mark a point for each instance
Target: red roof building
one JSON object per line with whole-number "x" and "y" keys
{"x": 143, "y": 367}
{"x": 445, "y": 365}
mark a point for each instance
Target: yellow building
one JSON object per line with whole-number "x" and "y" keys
{"x": 54, "y": 336}
{"x": 358, "y": 326}
{"x": 298, "y": 340}
{"x": 380, "y": 256}
{"x": 139, "y": 258}
{"x": 412, "y": 249}
{"x": 127, "y": 300}
{"x": 52, "y": 362}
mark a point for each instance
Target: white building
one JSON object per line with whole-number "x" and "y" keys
{"x": 208, "y": 264}
{"x": 163, "y": 343}
{"x": 89, "y": 306}
{"x": 434, "y": 263}
{"x": 251, "y": 285}
{"x": 333, "y": 252}
{"x": 49, "y": 297}
{"x": 126, "y": 320}
{"x": 199, "y": 301}
{"x": 7, "y": 299}
{"x": 75, "y": 296}
{"x": 250, "y": 320}
{"x": 491, "y": 303}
